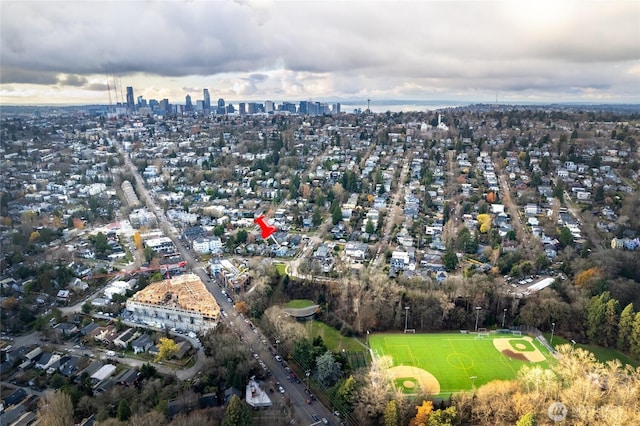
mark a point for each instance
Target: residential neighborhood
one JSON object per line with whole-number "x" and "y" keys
{"x": 131, "y": 249}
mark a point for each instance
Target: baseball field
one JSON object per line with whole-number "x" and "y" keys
{"x": 444, "y": 363}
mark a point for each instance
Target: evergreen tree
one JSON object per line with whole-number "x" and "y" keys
{"x": 124, "y": 410}
{"x": 450, "y": 259}
{"x": 391, "y": 414}
{"x": 237, "y": 414}
{"x": 625, "y": 328}
{"x": 634, "y": 341}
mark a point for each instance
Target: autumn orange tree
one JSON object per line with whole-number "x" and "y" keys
{"x": 587, "y": 276}
{"x": 137, "y": 240}
{"x": 422, "y": 416}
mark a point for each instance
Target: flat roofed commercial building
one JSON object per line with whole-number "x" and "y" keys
{"x": 181, "y": 302}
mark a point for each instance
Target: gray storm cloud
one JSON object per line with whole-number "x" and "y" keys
{"x": 391, "y": 45}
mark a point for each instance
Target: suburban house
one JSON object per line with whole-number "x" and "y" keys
{"x": 355, "y": 251}
{"x": 141, "y": 344}
{"x": 125, "y": 338}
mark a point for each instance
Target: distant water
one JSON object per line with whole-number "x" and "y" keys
{"x": 399, "y": 106}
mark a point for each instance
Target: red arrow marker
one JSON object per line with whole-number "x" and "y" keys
{"x": 267, "y": 230}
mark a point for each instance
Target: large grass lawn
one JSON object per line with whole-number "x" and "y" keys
{"x": 602, "y": 354}
{"x": 281, "y": 268}
{"x": 299, "y": 303}
{"x": 458, "y": 361}
{"x": 332, "y": 337}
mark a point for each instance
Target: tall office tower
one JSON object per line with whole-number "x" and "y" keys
{"x": 252, "y": 108}
{"x": 288, "y": 106}
{"x": 268, "y": 107}
{"x": 335, "y": 109}
{"x": 304, "y": 108}
{"x": 220, "y": 110}
{"x": 200, "y": 106}
{"x": 165, "y": 106}
{"x": 131, "y": 106}
{"x": 207, "y": 100}
{"x": 142, "y": 102}
{"x": 188, "y": 106}
{"x": 242, "y": 109}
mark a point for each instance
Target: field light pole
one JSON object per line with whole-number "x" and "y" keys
{"x": 504, "y": 316}
{"x": 406, "y": 318}
{"x": 477, "y": 315}
{"x": 553, "y": 328}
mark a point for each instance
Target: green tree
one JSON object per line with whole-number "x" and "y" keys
{"x": 218, "y": 231}
{"x": 327, "y": 369}
{"x": 565, "y": 238}
{"x": 148, "y": 371}
{"x": 345, "y": 395}
{"x": 369, "y": 228}
{"x": 148, "y": 254}
{"x": 602, "y": 319}
{"x": 446, "y": 417}
{"x": 625, "y": 328}
{"x": 316, "y": 217}
{"x": 237, "y": 414}
{"x": 528, "y": 419}
{"x": 87, "y": 308}
{"x": 450, "y": 259}
{"x": 101, "y": 244}
{"x": 336, "y": 213}
{"x": 558, "y": 191}
{"x": 610, "y": 326}
{"x": 124, "y": 410}
{"x": 241, "y": 236}
{"x": 391, "y": 413}
{"x": 598, "y": 195}
{"x": 634, "y": 341}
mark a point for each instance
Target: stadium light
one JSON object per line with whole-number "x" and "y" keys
{"x": 553, "y": 328}
{"x": 477, "y": 315}
{"x": 504, "y": 316}
{"x": 406, "y": 318}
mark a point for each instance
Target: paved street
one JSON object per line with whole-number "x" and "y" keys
{"x": 295, "y": 392}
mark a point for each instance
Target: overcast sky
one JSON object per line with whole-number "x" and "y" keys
{"x": 531, "y": 51}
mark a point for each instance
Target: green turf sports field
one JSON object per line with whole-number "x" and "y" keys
{"x": 454, "y": 358}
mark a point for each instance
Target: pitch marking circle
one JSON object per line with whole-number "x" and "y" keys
{"x": 461, "y": 361}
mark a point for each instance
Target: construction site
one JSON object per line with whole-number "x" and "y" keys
{"x": 181, "y": 302}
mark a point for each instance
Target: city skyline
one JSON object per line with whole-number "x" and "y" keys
{"x": 536, "y": 52}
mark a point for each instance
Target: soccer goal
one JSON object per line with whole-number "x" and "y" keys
{"x": 482, "y": 332}
{"x": 409, "y": 330}
{"x": 517, "y": 333}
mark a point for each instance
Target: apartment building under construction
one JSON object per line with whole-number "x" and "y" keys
{"x": 182, "y": 302}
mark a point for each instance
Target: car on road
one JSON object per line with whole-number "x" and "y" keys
{"x": 278, "y": 358}
{"x": 281, "y": 389}
{"x": 325, "y": 421}
{"x": 315, "y": 417}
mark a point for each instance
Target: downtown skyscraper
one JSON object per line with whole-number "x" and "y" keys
{"x": 207, "y": 100}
